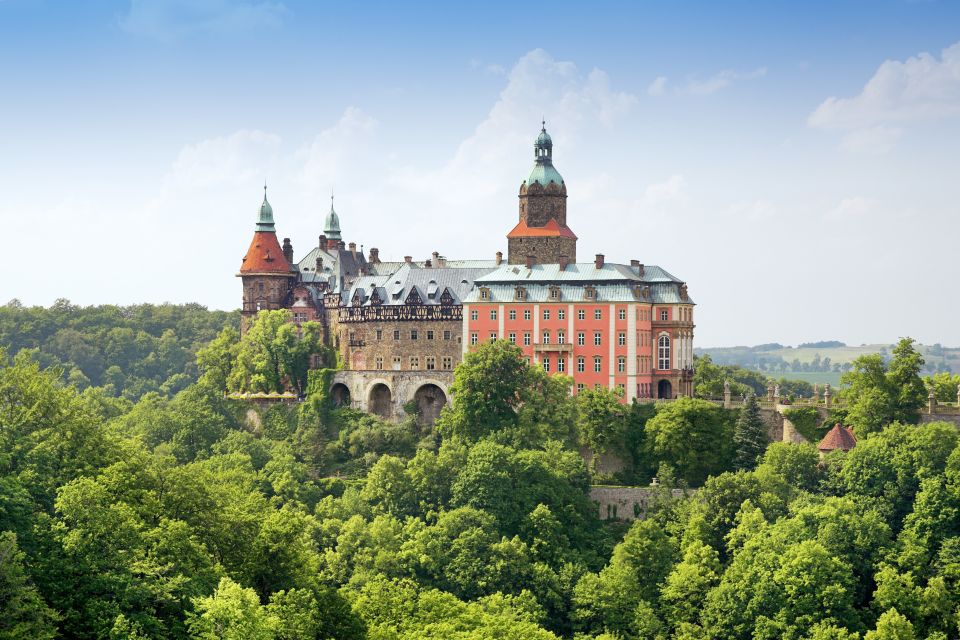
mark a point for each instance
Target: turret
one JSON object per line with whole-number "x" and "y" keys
{"x": 265, "y": 270}
{"x": 542, "y": 231}
{"x": 331, "y": 228}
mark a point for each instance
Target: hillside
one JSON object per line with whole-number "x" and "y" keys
{"x": 822, "y": 362}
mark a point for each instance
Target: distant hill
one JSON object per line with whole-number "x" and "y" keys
{"x": 821, "y": 362}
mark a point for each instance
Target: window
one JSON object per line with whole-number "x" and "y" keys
{"x": 493, "y": 336}
{"x": 580, "y": 387}
{"x": 447, "y": 363}
{"x": 379, "y": 334}
{"x": 414, "y": 362}
{"x": 561, "y": 337}
{"x": 581, "y": 338}
{"x": 546, "y": 364}
{"x": 561, "y": 314}
{"x": 597, "y": 338}
{"x": 546, "y": 337}
{"x": 597, "y": 387}
{"x": 493, "y": 314}
{"x": 379, "y": 363}
{"x": 526, "y": 314}
{"x": 429, "y": 334}
{"x": 484, "y": 294}
{"x": 554, "y": 294}
{"x": 598, "y": 314}
{"x": 447, "y": 334}
{"x": 431, "y": 363}
{"x": 664, "y": 315}
{"x": 581, "y": 314}
{"x": 546, "y": 314}
{"x": 621, "y": 364}
{"x": 414, "y": 334}
{"x": 513, "y": 314}
{"x": 396, "y": 334}
{"x": 299, "y": 317}
{"x": 526, "y": 339}
{"x": 622, "y": 314}
{"x": 622, "y": 339}
{"x": 473, "y": 337}
{"x": 396, "y": 363}
{"x": 581, "y": 365}
{"x": 513, "y": 337}
{"x": 597, "y": 364}
{"x": 474, "y": 314}
{"x": 663, "y": 352}
{"x": 561, "y": 364}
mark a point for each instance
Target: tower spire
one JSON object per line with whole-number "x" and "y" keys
{"x": 331, "y": 225}
{"x": 265, "y": 219}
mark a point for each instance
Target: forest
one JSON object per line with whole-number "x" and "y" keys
{"x": 179, "y": 513}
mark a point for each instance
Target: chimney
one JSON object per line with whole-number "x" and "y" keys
{"x": 598, "y": 261}
{"x": 634, "y": 263}
{"x": 564, "y": 261}
{"x": 374, "y": 255}
{"x": 353, "y": 249}
{"x": 499, "y": 257}
{"x": 640, "y": 270}
{"x": 323, "y": 241}
{"x": 408, "y": 259}
{"x": 319, "y": 264}
{"x": 288, "y": 250}
{"x": 436, "y": 258}
{"x": 428, "y": 264}
{"x": 529, "y": 262}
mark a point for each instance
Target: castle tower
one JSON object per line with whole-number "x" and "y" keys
{"x": 542, "y": 235}
{"x": 265, "y": 271}
{"x": 331, "y": 228}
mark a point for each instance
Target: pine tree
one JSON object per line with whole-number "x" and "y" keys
{"x": 749, "y": 435}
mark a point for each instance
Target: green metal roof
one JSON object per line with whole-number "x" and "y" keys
{"x": 265, "y": 219}
{"x": 544, "y": 174}
{"x": 331, "y": 225}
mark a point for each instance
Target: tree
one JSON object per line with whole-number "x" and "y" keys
{"x": 692, "y": 436}
{"x": 879, "y": 394}
{"x": 274, "y": 354}
{"x": 231, "y": 613}
{"x": 892, "y": 625}
{"x": 601, "y": 420}
{"x": 23, "y": 613}
{"x": 749, "y": 435}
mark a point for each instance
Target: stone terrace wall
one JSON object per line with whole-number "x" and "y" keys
{"x": 627, "y": 503}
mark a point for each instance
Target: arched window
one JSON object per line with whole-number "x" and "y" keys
{"x": 663, "y": 352}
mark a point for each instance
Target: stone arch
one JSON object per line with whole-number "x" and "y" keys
{"x": 664, "y": 390}
{"x": 380, "y": 399}
{"x": 340, "y": 394}
{"x": 430, "y": 399}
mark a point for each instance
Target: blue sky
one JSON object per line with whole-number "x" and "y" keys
{"x": 794, "y": 162}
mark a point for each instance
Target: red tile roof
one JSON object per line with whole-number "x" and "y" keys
{"x": 264, "y": 255}
{"x": 839, "y": 437}
{"x": 552, "y": 228}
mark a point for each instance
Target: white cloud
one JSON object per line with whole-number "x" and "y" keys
{"x": 340, "y": 155}
{"x": 872, "y": 140}
{"x": 172, "y": 19}
{"x": 711, "y": 85}
{"x": 853, "y": 207}
{"x": 671, "y": 190}
{"x": 237, "y": 159}
{"x": 920, "y": 87}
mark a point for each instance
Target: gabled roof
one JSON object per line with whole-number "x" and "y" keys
{"x": 264, "y": 255}
{"x": 551, "y": 229}
{"x": 839, "y": 437}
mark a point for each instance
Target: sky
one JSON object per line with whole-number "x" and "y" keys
{"x": 795, "y": 163}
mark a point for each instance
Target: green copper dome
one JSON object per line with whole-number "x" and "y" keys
{"x": 331, "y": 225}
{"x": 543, "y": 170}
{"x": 265, "y": 219}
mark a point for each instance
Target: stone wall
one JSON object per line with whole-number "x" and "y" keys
{"x": 361, "y": 344}
{"x": 628, "y": 503}
{"x": 539, "y": 204}
{"x": 386, "y": 392}
{"x": 953, "y": 418}
{"x": 544, "y": 249}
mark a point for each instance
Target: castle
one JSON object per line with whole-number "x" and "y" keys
{"x": 401, "y": 327}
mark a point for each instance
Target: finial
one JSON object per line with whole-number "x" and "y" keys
{"x": 543, "y": 124}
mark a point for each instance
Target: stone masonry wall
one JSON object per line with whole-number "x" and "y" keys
{"x": 539, "y": 205}
{"x": 360, "y": 346}
{"x": 545, "y": 250}
{"x": 628, "y": 503}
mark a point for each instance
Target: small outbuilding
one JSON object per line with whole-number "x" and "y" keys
{"x": 839, "y": 437}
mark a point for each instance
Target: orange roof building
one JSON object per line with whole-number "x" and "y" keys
{"x": 839, "y": 437}
{"x": 266, "y": 270}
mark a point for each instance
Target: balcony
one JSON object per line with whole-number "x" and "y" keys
{"x": 553, "y": 348}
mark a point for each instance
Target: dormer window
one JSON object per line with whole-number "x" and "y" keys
{"x": 554, "y": 293}
{"x": 519, "y": 293}
{"x": 484, "y": 293}
{"x": 590, "y": 293}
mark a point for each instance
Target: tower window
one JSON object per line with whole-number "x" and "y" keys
{"x": 663, "y": 352}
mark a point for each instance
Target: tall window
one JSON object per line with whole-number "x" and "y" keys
{"x": 597, "y": 364}
{"x": 597, "y": 314}
{"x": 473, "y": 337}
{"x": 546, "y": 364}
{"x": 663, "y": 352}
{"x": 546, "y": 337}
{"x": 561, "y": 336}
{"x": 546, "y": 314}
{"x": 622, "y": 339}
{"x": 429, "y": 334}
{"x": 581, "y": 338}
{"x": 513, "y": 338}
{"x": 664, "y": 315}
{"x": 581, "y": 365}
{"x": 474, "y": 314}
{"x": 379, "y": 363}
{"x": 597, "y": 338}
{"x": 526, "y": 339}
{"x": 513, "y": 314}
{"x": 526, "y": 314}
{"x": 622, "y": 314}
{"x": 431, "y": 363}
{"x": 621, "y": 364}
{"x": 561, "y": 364}
{"x": 414, "y": 362}
{"x": 493, "y": 314}
{"x": 581, "y": 314}
{"x": 447, "y": 362}
{"x": 561, "y": 314}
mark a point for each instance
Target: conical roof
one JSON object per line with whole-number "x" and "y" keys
{"x": 839, "y": 437}
{"x": 265, "y": 254}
